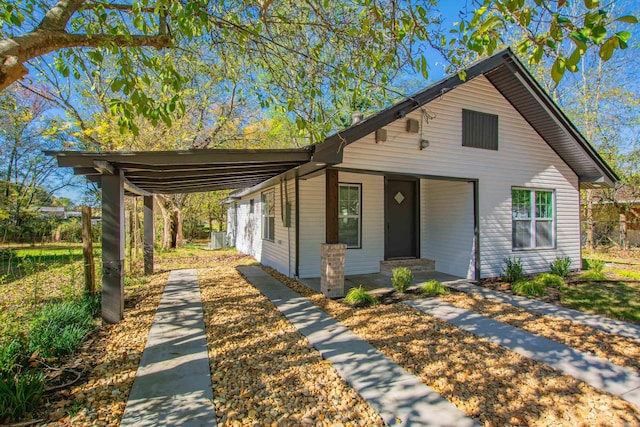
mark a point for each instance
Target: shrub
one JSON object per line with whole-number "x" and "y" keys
{"x": 60, "y": 328}
{"x": 360, "y": 297}
{"x": 548, "y": 279}
{"x": 19, "y": 393}
{"x": 596, "y": 265}
{"x": 513, "y": 270}
{"x": 560, "y": 267}
{"x": 529, "y": 288}
{"x": 401, "y": 278}
{"x": 433, "y": 287}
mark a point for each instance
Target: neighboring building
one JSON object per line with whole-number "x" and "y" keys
{"x": 464, "y": 174}
{"x": 52, "y": 212}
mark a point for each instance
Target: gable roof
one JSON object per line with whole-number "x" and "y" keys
{"x": 517, "y": 85}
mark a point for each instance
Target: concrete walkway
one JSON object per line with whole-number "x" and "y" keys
{"x": 173, "y": 383}
{"x": 598, "y": 372}
{"x": 399, "y": 397}
{"x": 611, "y": 326}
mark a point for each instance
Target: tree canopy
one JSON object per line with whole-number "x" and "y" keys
{"x": 310, "y": 58}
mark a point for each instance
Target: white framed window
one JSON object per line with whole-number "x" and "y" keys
{"x": 269, "y": 215}
{"x": 533, "y": 219}
{"x": 349, "y": 215}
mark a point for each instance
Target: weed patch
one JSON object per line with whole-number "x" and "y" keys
{"x": 19, "y": 393}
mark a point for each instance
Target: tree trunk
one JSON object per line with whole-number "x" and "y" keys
{"x": 87, "y": 252}
{"x": 166, "y": 221}
{"x": 624, "y": 245}
{"x": 590, "y": 225}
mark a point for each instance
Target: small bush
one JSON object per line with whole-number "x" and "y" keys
{"x": 60, "y": 328}
{"x": 548, "y": 279}
{"x": 401, "y": 278}
{"x": 19, "y": 393}
{"x": 596, "y": 276}
{"x": 596, "y": 265}
{"x": 560, "y": 267}
{"x": 529, "y": 288}
{"x": 433, "y": 287}
{"x": 360, "y": 297}
{"x": 513, "y": 270}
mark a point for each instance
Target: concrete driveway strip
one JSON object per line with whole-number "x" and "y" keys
{"x": 606, "y": 324}
{"x": 600, "y": 373}
{"x": 173, "y": 382}
{"x": 399, "y": 397}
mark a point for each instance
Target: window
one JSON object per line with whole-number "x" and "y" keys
{"x": 269, "y": 215}
{"x": 479, "y": 130}
{"x": 532, "y": 213}
{"x": 349, "y": 215}
{"x": 251, "y": 206}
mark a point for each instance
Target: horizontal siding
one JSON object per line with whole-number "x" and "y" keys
{"x": 312, "y": 225}
{"x": 279, "y": 254}
{"x": 367, "y": 258}
{"x": 523, "y": 159}
{"x": 447, "y": 225}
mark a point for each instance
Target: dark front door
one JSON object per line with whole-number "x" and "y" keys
{"x": 401, "y": 218}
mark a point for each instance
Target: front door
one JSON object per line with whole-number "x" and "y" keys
{"x": 401, "y": 218}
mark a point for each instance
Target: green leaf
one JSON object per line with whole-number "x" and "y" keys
{"x": 606, "y": 50}
{"x": 462, "y": 75}
{"x": 623, "y": 36}
{"x": 558, "y": 68}
{"x": 591, "y": 4}
{"x": 598, "y": 34}
{"x": 629, "y": 19}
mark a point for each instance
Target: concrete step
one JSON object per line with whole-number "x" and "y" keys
{"x": 413, "y": 264}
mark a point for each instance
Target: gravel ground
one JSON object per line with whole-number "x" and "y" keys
{"x": 619, "y": 350}
{"x": 489, "y": 383}
{"x": 107, "y": 364}
{"x": 264, "y": 372}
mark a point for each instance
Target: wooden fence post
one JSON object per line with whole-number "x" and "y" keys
{"x": 87, "y": 252}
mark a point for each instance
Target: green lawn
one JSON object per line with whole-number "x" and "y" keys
{"x": 616, "y": 299}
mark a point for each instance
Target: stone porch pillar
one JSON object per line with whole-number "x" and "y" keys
{"x": 332, "y": 269}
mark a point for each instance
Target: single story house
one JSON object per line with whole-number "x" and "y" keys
{"x": 461, "y": 175}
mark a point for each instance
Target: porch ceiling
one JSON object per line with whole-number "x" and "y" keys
{"x": 185, "y": 171}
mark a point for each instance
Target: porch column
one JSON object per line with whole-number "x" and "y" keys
{"x": 113, "y": 247}
{"x": 149, "y": 231}
{"x": 332, "y": 253}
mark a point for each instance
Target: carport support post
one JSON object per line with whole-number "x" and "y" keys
{"x": 332, "y": 253}
{"x": 113, "y": 247}
{"x": 148, "y": 235}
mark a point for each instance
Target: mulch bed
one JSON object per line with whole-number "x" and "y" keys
{"x": 489, "y": 383}
{"x": 264, "y": 372}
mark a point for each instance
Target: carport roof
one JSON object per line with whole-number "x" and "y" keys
{"x": 184, "y": 171}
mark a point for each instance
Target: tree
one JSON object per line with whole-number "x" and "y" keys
{"x": 24, "y": 132}
{"x": 295, "y": 53}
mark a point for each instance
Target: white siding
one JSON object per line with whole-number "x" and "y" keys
{"x": 279, "y": 254}
{"x": 447, "y": 222}
{"x": 523, "y": 159}
{"x": 312, "y": 225}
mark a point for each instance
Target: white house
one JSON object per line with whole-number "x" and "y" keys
{"x": 463, "y": 173}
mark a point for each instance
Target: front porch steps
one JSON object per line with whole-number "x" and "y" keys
{"x": 413, "y": 264}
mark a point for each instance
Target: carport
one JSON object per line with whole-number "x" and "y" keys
{"x": 144, "y": 173}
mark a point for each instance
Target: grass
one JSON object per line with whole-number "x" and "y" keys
{"x": 616, "y": 299}
{"x": 625, "y": 273}
{"x": 433, "y": 288}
